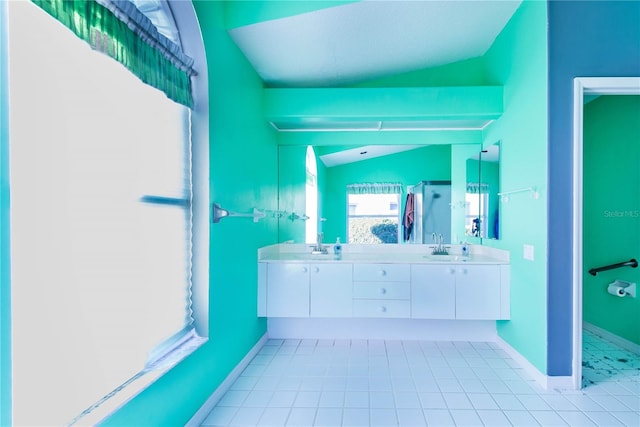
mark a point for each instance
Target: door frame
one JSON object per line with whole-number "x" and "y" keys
{"x": 586, "y": 86}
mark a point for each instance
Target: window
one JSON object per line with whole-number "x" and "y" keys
{"x": 373, "y": 217}
{"x": 311, "y": 197}
{"x": 476, "y": 203}
{"x": 103, "y": 219}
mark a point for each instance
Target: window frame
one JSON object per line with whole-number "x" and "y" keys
{"x": 398, "y": 217}
{"x": 190, "y": 35}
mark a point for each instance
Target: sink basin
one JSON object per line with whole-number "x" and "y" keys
{"x": 445, "y": 258}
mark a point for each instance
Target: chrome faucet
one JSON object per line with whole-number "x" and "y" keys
{"x": 319, "y": 248}
{"x": 439, "y": 249}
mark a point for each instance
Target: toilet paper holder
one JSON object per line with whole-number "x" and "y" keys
{"x": 622, "y": 288}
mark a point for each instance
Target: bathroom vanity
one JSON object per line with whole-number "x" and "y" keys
{"x": 383, "y": 281}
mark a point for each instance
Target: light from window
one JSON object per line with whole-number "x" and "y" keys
{"x": 475, "y": 217}
{"x": 311, "y": 196}
{"x": 100, "y": 223}
{"x": 373, "y": 218}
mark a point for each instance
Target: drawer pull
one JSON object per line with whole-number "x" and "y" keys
{"x": 452, "y": 271}
{"x": 304, "y": 269}
{"x": 383, "y": 291}
{"x": 383, "y": 273}
{"x": 317, "y": 269}
{"x": 383, "y": 309}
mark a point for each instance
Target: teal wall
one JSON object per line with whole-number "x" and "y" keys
{"x": 243, "y": 156}
{"x": 291, "y": 196}
{"x": 518, "y": 60}
{"x": 407, "y": 168}
{"x": 611, "y": 210}
{"x": 470, "y": 72}
{"x": 5, "y": 260}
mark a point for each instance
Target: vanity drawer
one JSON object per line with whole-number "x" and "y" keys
{"x": 381, "y": 272}
{"x": 381, "y": 308}
{"x": 382, "y": 290}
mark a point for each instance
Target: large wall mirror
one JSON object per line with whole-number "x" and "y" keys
{"x": 482, "y": 202}
{"x": 340, "y": 166}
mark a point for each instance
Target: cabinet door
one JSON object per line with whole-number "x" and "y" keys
{"x": 433, "y": 292}
{"x": 331, "y": 290}
{"x": 478, "y": 292}
{"x": 287, "y": 290}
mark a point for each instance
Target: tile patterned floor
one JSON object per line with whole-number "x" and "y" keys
{"x": 411, "y": 383}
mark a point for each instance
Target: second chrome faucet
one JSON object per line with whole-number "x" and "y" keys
{"x": 439, "y": 248}
{"x": 319, "y": 248}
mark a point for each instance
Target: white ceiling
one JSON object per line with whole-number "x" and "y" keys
{"x": 370, "y": 39}
{"x": 363, "y": 153}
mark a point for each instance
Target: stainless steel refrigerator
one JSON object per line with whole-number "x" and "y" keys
{"x": 431, "y": 211}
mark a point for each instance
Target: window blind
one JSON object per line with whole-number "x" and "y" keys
{"x": 101, "y": 268}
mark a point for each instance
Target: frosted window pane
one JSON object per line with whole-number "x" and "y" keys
{"x": 98, "y": 278}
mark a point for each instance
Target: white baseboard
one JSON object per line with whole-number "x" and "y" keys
{"x": 202, "y": 413}
{"x": 545, "y": 381}
{"x": 565, "y": 382}
{"x": 382, "y": 329}
{"x": 615, "y": 339}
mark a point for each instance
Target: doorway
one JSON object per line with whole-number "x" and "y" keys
{"x": 586, "y": 87}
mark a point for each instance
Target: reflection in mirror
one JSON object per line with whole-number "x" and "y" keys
{"x": 432, "y": 212}
{"x": 473, "y": 218}
{"x": 373, "y": 214}
{"x": 311, "y": 196}
{"x": 481, "y": 198}
{"x": 490, "y": 187}
{"x": 341, "y": 166}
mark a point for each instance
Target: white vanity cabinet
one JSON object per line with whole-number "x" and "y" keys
{"x": 381, "y": 290}
{"x": 478, "y": 292}
{"x": 303, "y": 290}
{"x": 330, "y": 285}
{"x": 459, "y": 291}
{"x": 433, "y": 291}
{"x": 355, "y": 289}
{"x": 287, "y": 290}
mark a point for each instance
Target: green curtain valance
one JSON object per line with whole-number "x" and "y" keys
{"x": 133, "y": 42}
{"x": 475, "y": 188}
{"x": 375, "y": 188}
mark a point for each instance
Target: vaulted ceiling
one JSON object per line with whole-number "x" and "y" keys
{"x": 336, "y": 44}
{"x": 359, "y": 41}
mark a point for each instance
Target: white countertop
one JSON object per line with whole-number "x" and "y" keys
{"x": 388, "y": 254}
